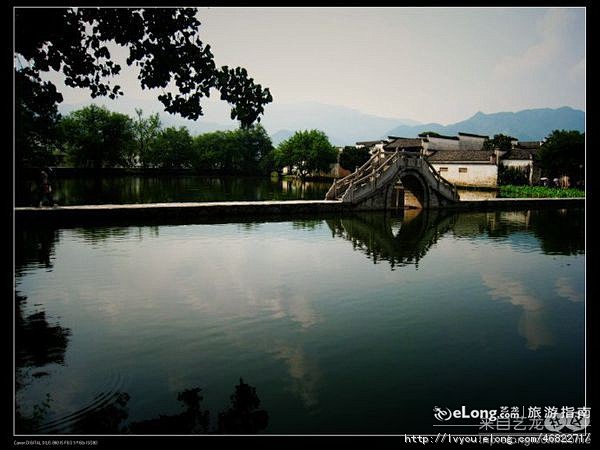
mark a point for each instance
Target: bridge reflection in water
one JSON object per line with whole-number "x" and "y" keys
{"x": 405, "y": 237}
{"x": 400, "y": 240}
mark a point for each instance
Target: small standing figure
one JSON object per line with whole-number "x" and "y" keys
{"x": 45, "y": 188}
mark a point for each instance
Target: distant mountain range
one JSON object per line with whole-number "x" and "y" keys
{"x": 526, "y": 125}
{"x": 343, "y": 126}
{"x": 346, "y": 126}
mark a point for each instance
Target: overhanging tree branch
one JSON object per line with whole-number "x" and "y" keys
{"x": 162, "y": 42}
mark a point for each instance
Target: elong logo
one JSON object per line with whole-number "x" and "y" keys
{"x": 445, "y": 414}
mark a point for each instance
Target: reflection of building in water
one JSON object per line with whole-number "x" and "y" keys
{"x": 513, "y": 218}
{"x": 493, "y": 223}
{"x": 532, "y": 325}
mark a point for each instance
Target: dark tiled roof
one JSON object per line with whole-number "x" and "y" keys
{"x": 519, "y": 153}
{"x": 393, "y": 138}
{"x": 369, "y": 143}
{"x": 528, "y": 144}
{"x": 472, "y": 135}
{"x": 404, "y": 143}
{"x": 460, "y": 155}
{"x": 440, "y": 136}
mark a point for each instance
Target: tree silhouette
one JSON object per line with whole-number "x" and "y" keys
{"x": 162, "y": 42}
{"x": 243, "y": 416}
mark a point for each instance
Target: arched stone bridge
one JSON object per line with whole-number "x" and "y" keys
{"x": 381, "y": 183}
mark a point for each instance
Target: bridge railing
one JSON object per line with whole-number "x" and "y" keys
{"x": 371, "y": 174}
{"x": 375, "y": 170}
{"x": 377, "y": 165}
{"x": 441, "y": 180}
{"x": 339, "y": 187}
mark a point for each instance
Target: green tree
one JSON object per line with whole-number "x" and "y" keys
{"x": 213, "y": 151}
{"x": 352, "y": 157}
{"x": 163, "y": 43}
{"x": 501, "y": 142}
{"x": 94, "y": 136}
{"x": 241, "y": 151}
{"x": 255, "y": 147}
{"x": 563, "y": 153}
{"x": 145, "y": 132}
{"x": 306, "y": 152}
{"x": 172, "y": 149}
{"x": 429, "y": 133}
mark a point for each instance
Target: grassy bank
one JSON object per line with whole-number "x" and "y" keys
{"x": 510, "y": 191}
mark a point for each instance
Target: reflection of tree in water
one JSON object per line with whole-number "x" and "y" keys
{"x": 244, "y": 416}
{"x": 560, "y": 231}
{"x": 191, "y": 421}
{"x": 95, "y": 235}
{"x": 306, "y": 224}
{"x": 34, "y": 246}
{"x": 37, "y": 344}
{"x": 377, "y": 234}
{"x": 103, "y": 188}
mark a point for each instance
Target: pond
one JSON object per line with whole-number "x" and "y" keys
{"x": 355, "y": 324}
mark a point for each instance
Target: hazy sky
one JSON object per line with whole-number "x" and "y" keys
{"x": 427, "y": 64}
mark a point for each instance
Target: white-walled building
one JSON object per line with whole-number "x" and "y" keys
{"x": 461, "y": 159}
{"x": 466, "y": 168}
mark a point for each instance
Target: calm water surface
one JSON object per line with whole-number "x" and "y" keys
{"x": 358, "y": 324}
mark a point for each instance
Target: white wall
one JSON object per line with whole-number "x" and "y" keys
{"x": 471, "y": 142}
{"x": 515, "y": 162}
{"x": 477, "y": 175}
{"x": 436, "y": 143}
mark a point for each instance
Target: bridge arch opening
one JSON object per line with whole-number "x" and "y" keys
{"x": 416, "y": 193}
